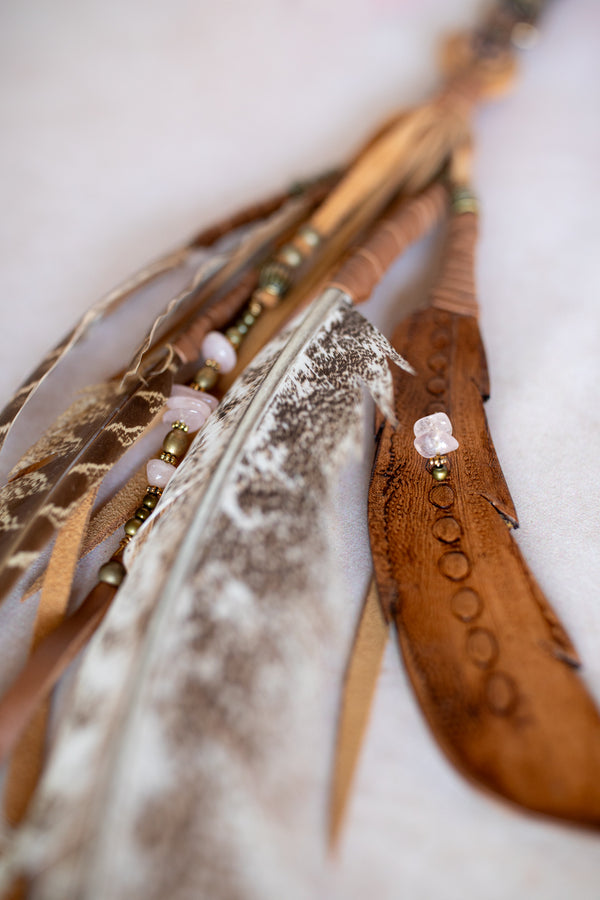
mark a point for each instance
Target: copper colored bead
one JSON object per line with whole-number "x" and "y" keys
{"x": 112, "y": 572}
{"x": 176, "y": 442}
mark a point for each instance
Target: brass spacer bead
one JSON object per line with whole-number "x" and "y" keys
{"x": 255, "y": 309}
{"x": 142, "y": 513}
{"x": 123, "y": 544}
{"x": 205, "y": 379}
{"x": 169, "y": 458}
{"x": 154, "y": 489}
{"x": 150, "y": 501}
{"x": 180, "y": 426}
{"x": 233, "y": 336}
{"x": 112, "y": 572}
{"x": 212, "y": 364}
{"x": 175, "y": 443}
{"x": 132, "y": 526}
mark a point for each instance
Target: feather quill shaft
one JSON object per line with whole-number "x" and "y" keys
{"x": 255, "y": 480}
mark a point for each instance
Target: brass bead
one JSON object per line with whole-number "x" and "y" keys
{"x": 290, "y": 255}
{"x": 154, "y": 489}
{"x": 440, "y": 473}
{"x": 234, "y": 337}
{"x": 205, "y": 378}
{"x": 150, "y": 501}
{"x": 464, "y": 201}
{"x": 142, "y": 513}
{"x": 112, "y": 572}
{"x": 242, "y": 327}
{"x": 309, "y": 236}
{"x": 255, "y": 308}
{"x": 132, "y": 526}
{"x": 212, "y": 364}
{"x": 175, "y": 442}
{"x": 248, "y": 319}
{"x": 180, "y": 425}
{"x": 169, "y": 458}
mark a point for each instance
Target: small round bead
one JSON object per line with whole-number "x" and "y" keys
{"x": 215, "y": 346}
{"x": 242, "y": 327}
{"x": 248, "y": 319}
{"x": 176, "y": 442}
{"x": 150, "y": 501}
{"x": 440, "y": 473}
{"x": 255, "y": 308}
{"x": 206, "y": 378}
{"x": 132, "y": 526}
{"x": 290, "y": 255}
{"x": 159, "y": 472}
{"x": 233, "y": 336}
{"x": 309, "y": 236}
{"x": 112, "y": 572}
{"x": 142, "y": 513}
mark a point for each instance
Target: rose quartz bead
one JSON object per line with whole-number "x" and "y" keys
{"x": 193, "y": 418}
{"x": 183, "y": 403}
{"x": 159, "y": 472}
{"x": 216, "y": 346}
{"x": 435, "y": 443}
{"x": 436, "y": 422}
{"x": 180, "y": 390}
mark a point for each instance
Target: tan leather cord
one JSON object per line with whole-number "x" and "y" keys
{"x": 47, "y": 663}
{"x": 455, "y": 288}
{"x": 27, "y": 761}
{"x": 189, "y": 344}
{"x": 403, "y": 225}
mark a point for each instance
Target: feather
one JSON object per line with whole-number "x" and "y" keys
{"x": 233, "y": 593}
{"x": 90, "y": 438}
{"x": 492, "y": 666}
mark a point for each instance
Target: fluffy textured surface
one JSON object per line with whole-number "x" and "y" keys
{"x": 210, "y": 666}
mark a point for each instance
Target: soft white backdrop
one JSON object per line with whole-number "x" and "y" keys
{"x": 127, "y": 126}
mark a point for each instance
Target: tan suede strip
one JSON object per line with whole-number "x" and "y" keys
{"x": 27, "y": 760}
{"x": 359, "y": 689}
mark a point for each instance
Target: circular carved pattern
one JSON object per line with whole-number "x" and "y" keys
{"x": 441, "y": 496}
{"x": 482, "y": 647}
{"x": 437, "y": 385}
{"x": 439, "y": 340}
{"x": 447, "y": 529}
{"x": 501, "y": 694}
{"x": 466, "y": 605}
{"x": 441, "y": 317}
{"x": 438, "y": 362}
{"x": 436, "y": 406}
{"x": 454, "y": 565}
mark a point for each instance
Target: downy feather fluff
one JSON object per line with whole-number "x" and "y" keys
{"x": 210, "y": 665}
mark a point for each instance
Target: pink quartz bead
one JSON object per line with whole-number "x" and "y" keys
{"x": 435, "y": 443}
{"x": 183, "y": 403}
{"x": 435, "y": 422}
{"x": 216, "y": 346}
{"x": 193, "y": 418}
{"x": 180, "y": 390}
{"x": 159, "y": 472}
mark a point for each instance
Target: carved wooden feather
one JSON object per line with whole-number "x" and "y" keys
{"x": 491, "y": 664}
{"x": 231, "y": 601}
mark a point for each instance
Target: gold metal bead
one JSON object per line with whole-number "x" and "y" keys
{"x": 248, "y": 319}
{"x": 169, "y": 458}
{"x": 154, "y": 489}
{"x": 440, "y": 473}
{"x": 142, "y": 513}
{"x": 176, "y": 442}
{"x": 233, "y": 336}
{"x": 290, "y": 255}
{"x": 205, "y": 379}
{"x": 255, "y": 308}
{"x": 309, "y": 236}
{"x": 241, "y": 327}
{"x": 212, "y": 364}
{"x": 132, "y": 526}
{"x": 122, "y": 545}
{"x": 112, "y": 572}
{"x": 180, "y": 425}
{"x": 150, "y": 501}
